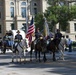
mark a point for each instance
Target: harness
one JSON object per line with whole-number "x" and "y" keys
{"x": 61, "y": 45}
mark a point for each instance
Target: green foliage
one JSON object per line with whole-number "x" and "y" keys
{"x": 58, "y": 12}
{"x": 39, "y": 21}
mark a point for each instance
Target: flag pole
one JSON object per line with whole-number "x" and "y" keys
{"x": 27, "y": 16}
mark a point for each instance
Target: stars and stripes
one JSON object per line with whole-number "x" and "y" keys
{"x": 31, "y": 29}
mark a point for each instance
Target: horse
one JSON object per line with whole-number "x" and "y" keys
{"x": 52, "y": 46}
{"x": 61, "y": 46}
{"x": 39, "y": 46}
{"x": 21, "y": 49}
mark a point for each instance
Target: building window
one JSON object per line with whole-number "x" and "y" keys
{"x": 35, "y": 4}
{"x": 75, "y": 26}
{"x": 0, "y": 15}
{"x": 23, "y": 4}
{"x": 35, "y": 10}
{"x": 23, "y": 9}
{"x": 12, "y": 26}
{"x": 12, "y": 11}
{"x": 23, "y": 12}
{"x": 24, "y": 27}
{"x": 0, "y": 29}
{"x": 12, "y": 3}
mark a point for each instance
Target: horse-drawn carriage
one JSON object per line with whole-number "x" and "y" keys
{"x": 9, "y": 40}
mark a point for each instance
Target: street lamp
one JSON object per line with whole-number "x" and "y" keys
{"x": 27, "y": 14}
{"x": 15, "y": 15}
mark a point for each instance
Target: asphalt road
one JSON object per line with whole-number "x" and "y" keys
{"x": 59, "y": 67}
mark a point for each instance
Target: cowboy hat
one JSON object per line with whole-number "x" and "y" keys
{"x": 18, "y": 31}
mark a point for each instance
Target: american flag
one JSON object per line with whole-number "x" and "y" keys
{"x": 31, "y": 30}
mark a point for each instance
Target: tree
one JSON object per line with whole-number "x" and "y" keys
{"x": 39, "y": 21}
{"x": 59, "y": 12}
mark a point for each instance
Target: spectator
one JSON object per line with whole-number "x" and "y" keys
{"x": 69, "y": 44}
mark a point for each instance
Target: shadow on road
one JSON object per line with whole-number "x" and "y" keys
{"x": 67, "y": 67}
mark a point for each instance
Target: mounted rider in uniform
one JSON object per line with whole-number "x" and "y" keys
{"x": 18, "y": 38}
{"x": 58, "y": 35}
{"x": 38, "y": 34}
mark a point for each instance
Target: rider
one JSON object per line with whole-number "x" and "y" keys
{"x": 10, "y": 38}
{"x": 58, "y": 35}
{"x": 18, "y": 38}
{"x": 5, "y": 41}
{"x": 37, "y": 34}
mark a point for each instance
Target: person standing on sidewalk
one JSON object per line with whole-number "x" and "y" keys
{"x": 69, "y": 44}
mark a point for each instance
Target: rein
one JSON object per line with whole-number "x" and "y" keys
{"x": 20, "y": 45}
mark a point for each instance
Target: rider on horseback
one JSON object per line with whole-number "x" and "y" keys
{"x": 57, "y": 39}
{"x": 58, "y": 35}
{"x": 38, "y": 34}
{"x": 18, "y": 39}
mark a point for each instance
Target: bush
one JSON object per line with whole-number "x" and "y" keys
{"x": 74, "y": 44}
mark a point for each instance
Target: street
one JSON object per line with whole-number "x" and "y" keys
{"x": 59, "y": 67}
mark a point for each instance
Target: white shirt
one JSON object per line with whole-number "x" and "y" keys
{"x": 69, "y": 41}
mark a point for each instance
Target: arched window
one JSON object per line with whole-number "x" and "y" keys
{"x": 12, "y": 3}
{"x": 35, "y": 4}
{"x": 12, "y": 9}
{"x": 23, "y": 4}
{"x": 23, "y": 9}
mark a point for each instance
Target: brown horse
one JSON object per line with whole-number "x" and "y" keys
{"x": 53, "y": 47}
{"x": 39, "y": 47}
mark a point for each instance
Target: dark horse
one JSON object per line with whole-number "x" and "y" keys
{"x": 53, "y": 47}
{"x": 39, "y": 47}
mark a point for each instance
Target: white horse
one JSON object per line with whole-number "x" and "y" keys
{"x": 62, "y": 46}
{"x": 21, "y": 50}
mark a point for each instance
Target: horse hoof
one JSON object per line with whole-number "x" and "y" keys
{"x": 12, "y": 61}
{"x": 30, "y": 59}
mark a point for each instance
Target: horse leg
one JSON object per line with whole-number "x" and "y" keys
{"x": 13, "y": 57}
{"x": 31, "y": 54}
{"x": 54, "y": 59}
{"x": 39, "y": 56}
{"x": 44, "y": 57}
{"x": 24, "y": 54}
{"x": 20, "y": 56}
{"x": 35, "y": 54}
{"x": 4, "y": 49}
{"x": 62, "y": 54}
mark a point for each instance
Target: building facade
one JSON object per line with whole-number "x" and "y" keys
{"x": 16, "y": 14}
